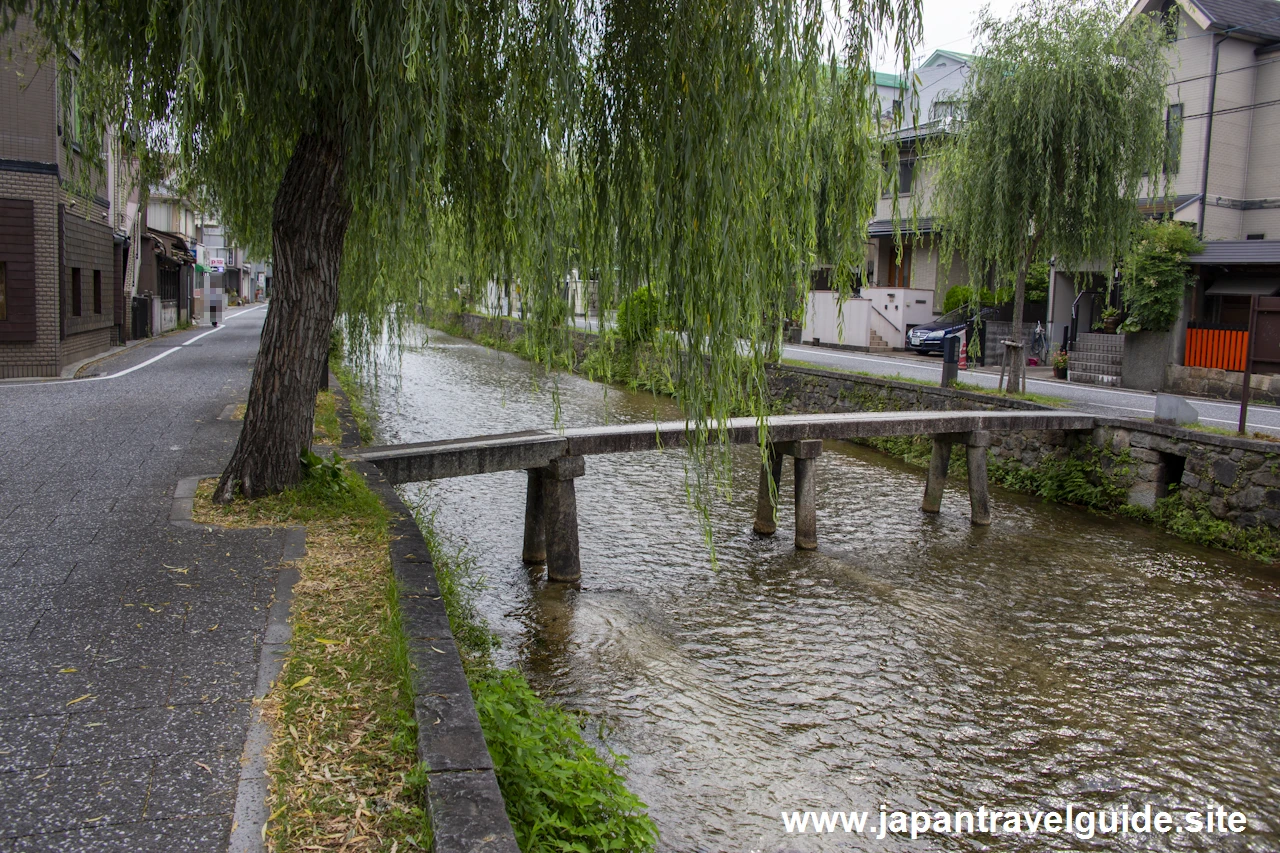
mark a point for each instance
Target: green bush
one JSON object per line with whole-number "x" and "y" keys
{"x": 638, "y": 316}
{"x": 1195, "y": 523}
{"x": 1088, "y": 478}
{"x": 962, "y": 294}
{"x": 328, "y": 474}
{"x": 1037, "y": 289}
{"x": 1156, "y": 275}
{"x": 560, "y": 795}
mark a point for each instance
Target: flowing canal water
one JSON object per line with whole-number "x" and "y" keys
{"x": 914, "y": 662}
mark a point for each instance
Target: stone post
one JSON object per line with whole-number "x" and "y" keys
{"x": 535, "y": 524}
{"x": 979, "y": 499}
{"x": 564, "y": 564}
{"x": 766, "y": 523}
{"x": 806, "y": 454}
{"x": 938, "y": 464}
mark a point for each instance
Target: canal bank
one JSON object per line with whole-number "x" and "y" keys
{"x": 1056, "y": 657}
{"x": 498, "y": 768}
{"x": 1212, "y": 489}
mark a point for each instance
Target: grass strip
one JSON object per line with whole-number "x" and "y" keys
{"x": 328, "y": 429}
{"x": 560, "y": 793}
{"x": 350, "y": 382}
{"x": 342, "y": 763}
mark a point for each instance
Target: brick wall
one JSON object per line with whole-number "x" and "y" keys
{"x": 87, "y": 247}
{"x": 84, "y": 345}
{"x": 39, "y": 357}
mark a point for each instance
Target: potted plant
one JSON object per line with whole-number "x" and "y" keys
{"x": 1110, "y": 320}
{"x": 1059, "y": 360}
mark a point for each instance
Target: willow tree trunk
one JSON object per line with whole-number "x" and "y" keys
{"x": 308, "y": 225}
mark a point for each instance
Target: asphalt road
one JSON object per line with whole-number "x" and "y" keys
{"x": 1091, "y": 398}
{"x": 129, "y": 647}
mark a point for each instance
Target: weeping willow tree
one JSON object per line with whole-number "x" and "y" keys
{"x": 386, "y": 150}
{"x": 1064, "y": 127}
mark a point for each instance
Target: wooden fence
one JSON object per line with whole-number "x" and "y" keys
{"x": 1225, "y": 349}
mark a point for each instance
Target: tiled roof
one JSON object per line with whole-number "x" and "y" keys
{"x": 1259, "y": 18}
{"x": 1238, "y": 252}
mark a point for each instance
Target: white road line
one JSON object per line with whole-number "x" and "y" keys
{"x": 146, "y": 363}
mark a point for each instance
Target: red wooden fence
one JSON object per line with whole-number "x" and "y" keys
{"x": 1225, "y": 349}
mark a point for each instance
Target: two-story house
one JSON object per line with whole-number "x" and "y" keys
{"x": 1224, "y": 85}
{"x": 59, "y": 280}
{"x": 906, "y": 278}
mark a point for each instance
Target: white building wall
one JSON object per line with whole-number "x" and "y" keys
{"x": 1189, "y": 62}
{"x": 833, "y": 322}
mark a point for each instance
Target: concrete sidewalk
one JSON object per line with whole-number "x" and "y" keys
{"x": 128, "y": 646}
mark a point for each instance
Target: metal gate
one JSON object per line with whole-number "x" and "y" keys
{"x": 141, "y": 317}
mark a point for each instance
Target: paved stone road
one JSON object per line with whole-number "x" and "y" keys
{"x": 128, "y": 646}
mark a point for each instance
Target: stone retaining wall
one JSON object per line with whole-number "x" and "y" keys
{"x": 804, "y": 390}
{"x": 1237, "y": 479}
{"x": 1221, "y": 384}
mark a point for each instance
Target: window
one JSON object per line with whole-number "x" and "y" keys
{"x": 97, "y": 291}
{"x": 906, "y": 172}
{"x": 944, "y": 109}
{"x": 4, "y": 290}
{"x": 71, "y": 126}
{"x": 1173, "y": 138}
{"x": 75, "y": 291}
{"x": 1247, "y": 237}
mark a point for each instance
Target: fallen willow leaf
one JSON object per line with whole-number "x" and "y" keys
{"x": 306, "y": 679}
{"x": 80, "y": 699}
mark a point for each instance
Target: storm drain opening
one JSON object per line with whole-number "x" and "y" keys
{"x": 1169, "y": 473}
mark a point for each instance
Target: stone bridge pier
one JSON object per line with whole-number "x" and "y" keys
{"x": 551, "y": 518}
{"x": 976, "y": 444}
{"x": 805, "y": 453}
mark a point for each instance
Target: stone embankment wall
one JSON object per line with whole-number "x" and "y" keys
{"x": 1221, "y": 384}
{"x": 1236, "y": 479}
{"x": 805, "y": 390}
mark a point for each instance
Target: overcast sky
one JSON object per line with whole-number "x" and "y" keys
{"x": 948, "y": 24}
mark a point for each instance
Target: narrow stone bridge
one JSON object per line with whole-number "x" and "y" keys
{"x": 554, "y": 459}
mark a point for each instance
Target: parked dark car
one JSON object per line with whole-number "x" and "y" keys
{"x": 927, "y": 337}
